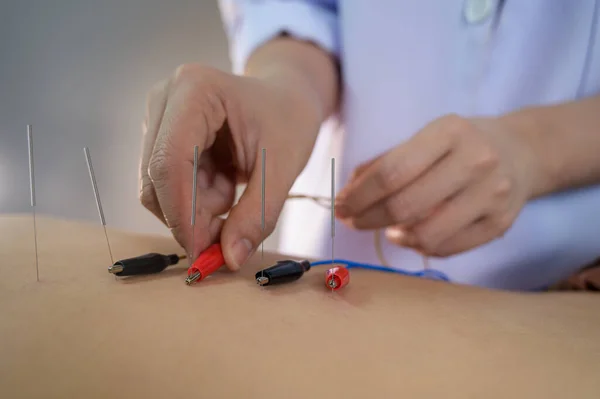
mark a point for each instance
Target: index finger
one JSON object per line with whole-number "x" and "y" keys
{"x": 157, "y": 100}
{"x": 392, "y": 171}
{"x": 191, "y": 118}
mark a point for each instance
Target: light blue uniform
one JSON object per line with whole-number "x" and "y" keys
{"x": 406, "y": 63}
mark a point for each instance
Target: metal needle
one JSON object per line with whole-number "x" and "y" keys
{"x": 194, "y": 187}
{"x": 332, "y": 211}
{"x": 32, "y": 191}
{"x": 262, "y": 216}
{"x": 88, "y": 159}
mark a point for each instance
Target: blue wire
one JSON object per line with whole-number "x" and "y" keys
{"x": 429, "y": 273}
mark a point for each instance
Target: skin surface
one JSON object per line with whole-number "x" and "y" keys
{"x": 81, "y": 333}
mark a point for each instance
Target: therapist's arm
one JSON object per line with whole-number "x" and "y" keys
{"x": 291, "y": 43}
{"x": 565, "y": 141}
{"x": 299, "y": 66}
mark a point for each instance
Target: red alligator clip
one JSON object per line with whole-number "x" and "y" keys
{"x": 337, "y": 277}
{"x": 207, "y": 263}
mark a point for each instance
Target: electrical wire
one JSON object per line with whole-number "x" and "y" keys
{"x": 325, "y": 202}
{"x": 427, "y": 273}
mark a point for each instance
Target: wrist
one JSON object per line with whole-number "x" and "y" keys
{"x": 295, "y": 87}
{"x": 535, "y": 162}
{"x": 299, "y": 68}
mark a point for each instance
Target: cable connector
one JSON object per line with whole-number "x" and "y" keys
{"x": 284, "y": 271}
{"x": 337, "y": 277}
{"x": 145, "y": 264}
{"x": 207, "y": 263}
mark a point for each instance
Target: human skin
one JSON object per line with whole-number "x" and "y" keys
{"x": 459, "y": 182}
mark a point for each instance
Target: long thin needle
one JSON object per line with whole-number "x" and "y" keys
{"x": 262, "y": 216}
{"x": 194, "y": 195}
{"x": 262, "y": 205}
{"x": 332, "y": 211}
{"x": 32, "y": 191}
{"x": 88, "y": 159}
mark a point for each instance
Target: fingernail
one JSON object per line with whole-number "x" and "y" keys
{"x": 241, "y": 251}
{"x": 394, "y": 234}
{"x": 400, "y": 236}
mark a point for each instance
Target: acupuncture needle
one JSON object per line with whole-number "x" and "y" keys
{"x": 262, "y": 209}
{"x": 32, "y": 192}
{"x": 332, "y": 218}
{"x": 194, "y": 195}
{"x": 88, "y": 159}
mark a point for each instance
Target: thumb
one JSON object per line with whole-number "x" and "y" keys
{"x": 245, "y": 227}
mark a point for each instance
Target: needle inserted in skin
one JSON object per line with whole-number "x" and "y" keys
{"x": 32, "y": 191}
{"x": 332, "y": 211}
{"x": 88, "y": 159}
{"x": 262, "y": 210}
{"x": 194, "y": 187}
{"x": 263, "y": 191}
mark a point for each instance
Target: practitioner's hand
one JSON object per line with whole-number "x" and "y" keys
{"x": 457, "y": 184}
{"x": 231, "y": 119}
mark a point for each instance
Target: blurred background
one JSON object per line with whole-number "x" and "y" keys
{"x": 79, "y": 71}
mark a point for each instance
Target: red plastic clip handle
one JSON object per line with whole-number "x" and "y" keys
{"x": 337, "y": 277}
{"x": 208, "y": 262}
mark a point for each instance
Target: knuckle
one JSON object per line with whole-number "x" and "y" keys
{"x": 194, "y": 73}
{"x": 453, "y": 121}
{"x": 456, "y": 127}
{"x": 158, "y": 169}
{"x": 185, "y": 71}
{"x": 485, "y": 160}
{"x": 453, "y": 136}
{"x": 202, "y": 102}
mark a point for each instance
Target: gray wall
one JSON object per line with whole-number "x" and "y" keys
{"x": 78, "y": 71}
